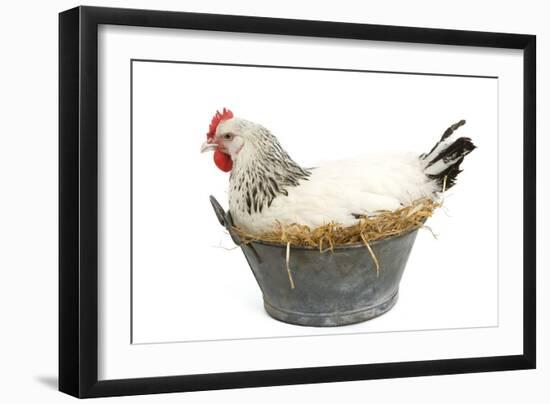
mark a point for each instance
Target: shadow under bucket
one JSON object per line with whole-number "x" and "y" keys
{"x": 331, "y": 288}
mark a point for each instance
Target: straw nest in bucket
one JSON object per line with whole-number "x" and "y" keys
{"x": 368, "y": 228}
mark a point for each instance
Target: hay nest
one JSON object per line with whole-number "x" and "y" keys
{"x": 382, "y": 225}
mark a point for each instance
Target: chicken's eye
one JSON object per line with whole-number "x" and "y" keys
{"x": 228, "y": 136}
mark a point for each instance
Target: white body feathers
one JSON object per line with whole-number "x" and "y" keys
{"x": 337, "y": 191}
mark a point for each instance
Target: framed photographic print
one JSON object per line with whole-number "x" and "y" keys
{"x": 332, "y": 154}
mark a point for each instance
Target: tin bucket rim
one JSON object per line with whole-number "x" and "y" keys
{"x": 226, "y": 221}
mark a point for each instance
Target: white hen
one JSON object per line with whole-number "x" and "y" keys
{"x": 266, "y": 186}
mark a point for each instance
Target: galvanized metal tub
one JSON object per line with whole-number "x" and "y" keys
{"x": 331, "y": 288}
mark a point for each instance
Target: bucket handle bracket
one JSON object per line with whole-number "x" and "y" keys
{"x": 226, "y": 221}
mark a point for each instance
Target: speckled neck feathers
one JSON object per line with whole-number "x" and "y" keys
{"x": 262, "y": 171}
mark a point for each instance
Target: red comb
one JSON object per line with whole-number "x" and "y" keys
{"x": 226, "y": 114}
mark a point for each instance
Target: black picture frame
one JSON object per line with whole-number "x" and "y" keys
{"x": 78, "y": 201}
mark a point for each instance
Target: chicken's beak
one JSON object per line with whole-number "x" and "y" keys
{"x": 207, "y": 146}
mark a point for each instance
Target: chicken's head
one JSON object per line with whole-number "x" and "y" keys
{"x": 225, "y": 138}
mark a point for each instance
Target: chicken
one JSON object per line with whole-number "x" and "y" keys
{"x": 267, "y": 186}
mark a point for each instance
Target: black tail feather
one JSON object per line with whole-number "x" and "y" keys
{"x": 448, "y": 132}
{"x": 449, "y": 158}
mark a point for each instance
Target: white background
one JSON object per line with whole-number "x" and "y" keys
{"x": 29, "y": 216}
{"x": 180, "y": 267}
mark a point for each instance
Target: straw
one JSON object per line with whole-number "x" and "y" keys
{"x": 379, "y": 226}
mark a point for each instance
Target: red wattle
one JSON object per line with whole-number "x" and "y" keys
{"x": 223, "y": 161}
